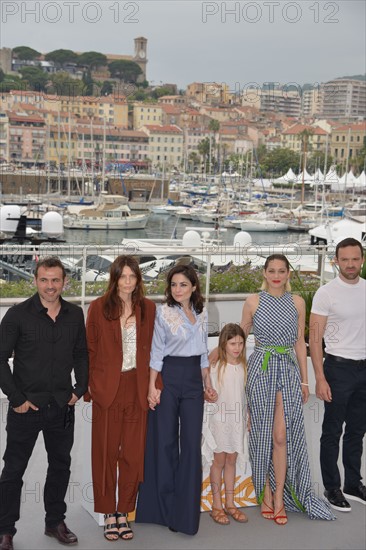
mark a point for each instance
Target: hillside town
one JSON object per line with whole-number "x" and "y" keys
{"x": 95, "y": 115}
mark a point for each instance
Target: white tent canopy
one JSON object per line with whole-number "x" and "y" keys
{"x": 348, "y": 180}
{"x": 289, "y": 177}
{"x": 304, "y": 175}
{"x": 361, "y": 180}
{"x": 318, "y": 176}
{"x": 332, "y": 179}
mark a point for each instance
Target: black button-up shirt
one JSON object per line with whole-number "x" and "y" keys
{"x": 45, "y": 353}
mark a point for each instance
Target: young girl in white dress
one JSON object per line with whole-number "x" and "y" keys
{"x": 224, "y": 431}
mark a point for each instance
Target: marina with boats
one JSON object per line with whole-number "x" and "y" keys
{"x": 214, "y": 222}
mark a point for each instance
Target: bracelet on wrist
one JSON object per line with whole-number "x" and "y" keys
{"x": 304, "y": 384}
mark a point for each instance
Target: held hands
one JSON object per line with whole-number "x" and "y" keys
{"x": 210, "y": 395}
{"x": 323, "y": 391}
{"x": 153, "y": 397}
{"x": 25, "y": 407}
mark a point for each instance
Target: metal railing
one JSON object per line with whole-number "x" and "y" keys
{"x": 20, "y": 259}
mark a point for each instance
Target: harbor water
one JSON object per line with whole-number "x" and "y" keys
{"x": 166, "y": 227}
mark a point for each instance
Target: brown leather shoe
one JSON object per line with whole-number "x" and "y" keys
{"x": 61, "y": 533}
{"x": 6, "y": 542}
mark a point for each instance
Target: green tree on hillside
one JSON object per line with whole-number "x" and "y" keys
{"x": 11, "y": 82}
{"x": 124, "y": 70}
{"x": 26, "y": 54}
{"x": 61, "y": 57}
{"x": 92, "y": 60}
{"x": 63, "y": 84}
{"x": 160, "y": 92}
{"x": 35, "y": 77}
{"x": 88, "y": 83}
{"x": 107, "y": 88}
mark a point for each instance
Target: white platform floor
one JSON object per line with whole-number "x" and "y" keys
{"x": 347, "y": 532}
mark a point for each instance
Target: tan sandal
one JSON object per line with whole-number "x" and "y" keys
{"x": 236, "y": 514}
{"x": 124, "y": 528}
{"x": 110, "y": 529}
{"x": 219, "y": 516}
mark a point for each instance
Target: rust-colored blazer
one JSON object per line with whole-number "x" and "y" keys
{"x": 105, "y": 362}
{"x": 105, "y": 353}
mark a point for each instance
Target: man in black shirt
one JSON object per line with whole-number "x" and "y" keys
{"x": 46, "y": 334}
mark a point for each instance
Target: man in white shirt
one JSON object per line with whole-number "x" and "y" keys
{"x": 338, "y": 315}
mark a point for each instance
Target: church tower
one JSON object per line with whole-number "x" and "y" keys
{"x": 141, "y": 55}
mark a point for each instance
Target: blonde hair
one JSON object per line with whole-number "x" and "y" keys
{"x": 231, "y": 330}
{"x": 281, "y": 258}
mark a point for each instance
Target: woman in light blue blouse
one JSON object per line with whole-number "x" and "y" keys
{"x": 171, "y": 492}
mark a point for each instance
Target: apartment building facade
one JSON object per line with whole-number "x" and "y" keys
{"x": 26, "y": 135}
{"x": 312, "y": 102}
{"x": 287, "y": 102}
{"x": 165, "y": 145}
{"x": 146, "y": 114}
{"x": 90, "y": 145}
{"x": 113, "y": 111}
{"x": 347, "y": 140}
{"x": 4, "y": 123}
{"x": 344, "y": 99}
{"x": 292, "y": 138}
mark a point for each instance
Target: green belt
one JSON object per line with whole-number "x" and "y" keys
{"x": 269, "y": 350}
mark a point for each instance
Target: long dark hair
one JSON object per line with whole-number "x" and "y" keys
{"x": 189, "y": 272}
{"x": 113, "y": 306}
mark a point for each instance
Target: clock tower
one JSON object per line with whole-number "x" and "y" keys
{"x": 141, "y": 55}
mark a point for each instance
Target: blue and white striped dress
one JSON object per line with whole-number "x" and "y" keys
{"x": 275, "y": 323}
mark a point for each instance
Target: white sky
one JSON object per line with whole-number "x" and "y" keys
{"x": 190, "y": 40}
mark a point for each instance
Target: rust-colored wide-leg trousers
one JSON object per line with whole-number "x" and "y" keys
{"x": 118, "y": 442}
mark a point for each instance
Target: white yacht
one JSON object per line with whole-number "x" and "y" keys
{"x": 331, "y": 233}
{"x": 106, "y": 217}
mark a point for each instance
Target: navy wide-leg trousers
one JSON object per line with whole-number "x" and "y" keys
{"x": 171, "y": 492}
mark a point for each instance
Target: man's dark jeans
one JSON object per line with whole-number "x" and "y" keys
{"x": 57, "y": 425}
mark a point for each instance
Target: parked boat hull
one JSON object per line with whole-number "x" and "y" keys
{"x": 130, "y": 222}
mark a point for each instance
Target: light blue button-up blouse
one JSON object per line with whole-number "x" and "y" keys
{"x": 175, "y": 335}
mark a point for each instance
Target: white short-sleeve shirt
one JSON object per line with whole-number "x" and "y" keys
{"x": 344, "y": 305}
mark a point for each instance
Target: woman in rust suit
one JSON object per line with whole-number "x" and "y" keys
{"x": 119, "y": 331}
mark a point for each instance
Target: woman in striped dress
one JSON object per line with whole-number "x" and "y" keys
{"x": 277, "y": 387}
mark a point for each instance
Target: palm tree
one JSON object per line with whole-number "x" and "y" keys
{"x": 304, "y": 136}
{"x": 204, "y": 150}
{"x": 213, "y": 126}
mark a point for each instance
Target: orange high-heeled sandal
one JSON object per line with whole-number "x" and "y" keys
{"x": 267, "y": 514}
{"x": 281, "y": 517}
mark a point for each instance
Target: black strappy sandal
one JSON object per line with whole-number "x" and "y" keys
{"x": 124, "y": 528}
{"x": 110, "y": 529}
